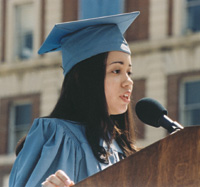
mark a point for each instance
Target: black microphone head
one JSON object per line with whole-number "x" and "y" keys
{"x": 149, "y": 111}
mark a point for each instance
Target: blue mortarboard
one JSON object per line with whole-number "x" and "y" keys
{"x": 79, "y": 40}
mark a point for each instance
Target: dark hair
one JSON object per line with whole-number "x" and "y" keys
{"x": 83, "y": 99}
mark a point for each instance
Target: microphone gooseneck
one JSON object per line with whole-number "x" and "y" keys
{"x": 151, "y": 112}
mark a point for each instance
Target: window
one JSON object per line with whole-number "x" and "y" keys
{"x": 24, "y": 25}
{"x": 97, "y": 8}
{"x": 193, "y": 20}
{"x": 20, "y": 121}
{"x": 16, "y": 114}
{"x": 190, "y": 103}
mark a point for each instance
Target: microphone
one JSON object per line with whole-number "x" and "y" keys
{"x": 151, "y": 112}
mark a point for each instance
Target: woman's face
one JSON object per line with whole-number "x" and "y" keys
{"x": 118, "y": 83}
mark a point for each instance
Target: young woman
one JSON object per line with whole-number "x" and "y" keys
{"x": 90, "y": 127}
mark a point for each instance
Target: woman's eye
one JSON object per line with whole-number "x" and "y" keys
{"x": 116, "y": 71}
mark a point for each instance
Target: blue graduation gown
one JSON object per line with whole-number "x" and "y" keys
{"x": 54, "y": 144}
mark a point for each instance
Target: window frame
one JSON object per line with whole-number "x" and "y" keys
{"x": 190, "y": 4}
{"x": 10, "y": 56}
{"x": 19, "y": 36}
{"x": 12, "y": 135}
{"x": 182, "y": 107}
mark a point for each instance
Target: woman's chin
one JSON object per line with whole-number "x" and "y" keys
{"x": 117, "y": 112}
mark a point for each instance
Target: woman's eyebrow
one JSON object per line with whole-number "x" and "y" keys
{"x": 119, "y": 62}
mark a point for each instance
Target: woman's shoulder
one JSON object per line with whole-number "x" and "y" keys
{"x": 49, "y": 143}
{"x": 61, "y": 127}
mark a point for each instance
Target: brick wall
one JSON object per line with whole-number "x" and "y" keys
{"x": 3, "y": 31}
{"x": 69, "y": 10}
{"x": 139, "y": 89}
{"x": 42, "y": 21}
{"x": 140, "y": 29}
{"x": 170, "y": 17}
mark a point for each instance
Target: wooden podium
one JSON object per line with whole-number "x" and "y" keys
{"x": 171, "y": 162}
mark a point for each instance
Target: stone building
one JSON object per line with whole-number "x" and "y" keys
{"x": 165, "y": 43}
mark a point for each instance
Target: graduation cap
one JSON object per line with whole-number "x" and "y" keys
{"x": 79, "y": 40}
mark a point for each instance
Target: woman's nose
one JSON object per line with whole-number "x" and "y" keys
{"x": 127, "y": 82}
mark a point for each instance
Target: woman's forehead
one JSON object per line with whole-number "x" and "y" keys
{"x": 118, "y": 57}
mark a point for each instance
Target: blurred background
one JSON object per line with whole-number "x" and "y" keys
{"x": 165, "y": 45}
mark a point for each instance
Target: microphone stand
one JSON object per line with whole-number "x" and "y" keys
{"x": 170, "y": 125}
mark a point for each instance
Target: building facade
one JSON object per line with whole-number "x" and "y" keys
{"x": 165, "y": 45}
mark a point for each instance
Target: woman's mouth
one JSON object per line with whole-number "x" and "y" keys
{"x": 126, "y": 97}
